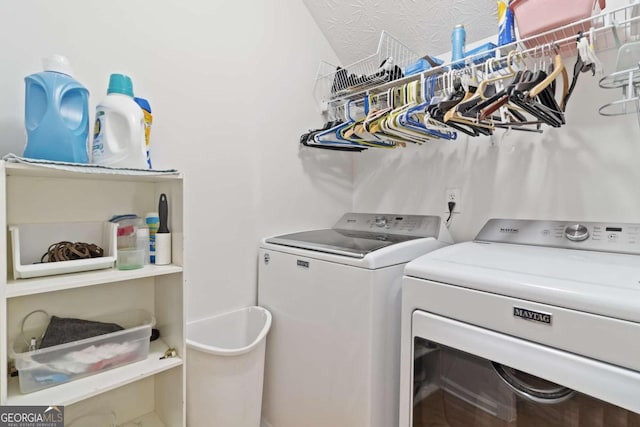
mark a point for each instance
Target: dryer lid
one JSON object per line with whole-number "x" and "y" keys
{"x": 339, "y": 242}
{"x": 356, "y": 235}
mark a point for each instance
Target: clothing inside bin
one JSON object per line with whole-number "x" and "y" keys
{"x": 64, "y": 330}
{"x": 90, "y": 359}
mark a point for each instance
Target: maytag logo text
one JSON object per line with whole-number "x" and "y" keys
{"x": 534, "y": 316}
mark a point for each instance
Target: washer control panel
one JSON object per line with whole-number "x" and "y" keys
{"x": 406, "y": 225}
{"x": 594, "y": 236}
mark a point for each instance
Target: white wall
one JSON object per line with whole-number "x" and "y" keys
{"x": 586, "y": 170}
{"x": 231, "y": 88}
{"x": 230, "y": 84}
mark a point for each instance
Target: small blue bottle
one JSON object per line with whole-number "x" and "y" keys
{"x": 56, "y": 114}
{"x": 458, "y": 40}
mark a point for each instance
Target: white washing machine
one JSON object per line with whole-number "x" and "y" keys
{"x": 535, "y": 323}
{"x": 332, "y": 357}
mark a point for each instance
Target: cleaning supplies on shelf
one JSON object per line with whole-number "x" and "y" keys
{"x": 56, "y": 114}
{"x": 142, "y": 241}
{"x": 458, "y": 41}
{"x": 506, "y": 30}
{"x": 163, "y": 235}
{"x": 148, "y": 119}
{"x": 119, "y": 133}
{"x": 153, "y": 222}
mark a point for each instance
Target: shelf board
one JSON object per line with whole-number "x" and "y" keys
{"x": 20, "y": 169}
{"x": 148, "y": 420}
{"x": 81, "y": 389}
{"x": 38, "y": 285}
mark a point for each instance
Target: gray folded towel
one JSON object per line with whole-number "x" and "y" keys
{"x": 63, "y": 330}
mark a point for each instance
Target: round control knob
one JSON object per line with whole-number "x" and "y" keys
{"x": 381, "y": 221}
{"x": 576, "y": 232}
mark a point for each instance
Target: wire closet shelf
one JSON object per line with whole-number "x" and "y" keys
{"x": 607, "y": 30}
{"x": 386, "y": 65}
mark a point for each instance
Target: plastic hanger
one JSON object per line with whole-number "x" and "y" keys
{"x": 558, "y": 70}
{"x": 331, "y": 137}
{"x": 309, "y": 140}
{"x": 424, "y": 93}
{"x": 417, "y": 104}
{"x": 376, "y": 122}
{"x": 445, "y": 111}
{"x": 509, "y": 115}
{"x": 356, "y": 133}
{"x": 373, "y": 124}
{"x": 390, "y": 125}
{"x": 437, "y": 110}
{"x": 541, "y": 104}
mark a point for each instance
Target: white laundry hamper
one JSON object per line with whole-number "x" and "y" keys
{"x": 225, "y": 368}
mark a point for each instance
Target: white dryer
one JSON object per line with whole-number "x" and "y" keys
{"x": 535, "y": 323}
{"x": 332, "y": 357}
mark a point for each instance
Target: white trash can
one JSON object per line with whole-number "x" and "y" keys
{"x": 225, "y": 368}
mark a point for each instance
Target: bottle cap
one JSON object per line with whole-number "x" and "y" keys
{"x": 144, "y": 104}
{"x": 58, "y": 64}
{"x": 119, "y": 83}
{"x": 459, "y": 26}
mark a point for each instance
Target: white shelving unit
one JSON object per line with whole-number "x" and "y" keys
{"x": 150, "y": 392}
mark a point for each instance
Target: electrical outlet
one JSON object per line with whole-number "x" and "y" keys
{"x": 452, "y": 195}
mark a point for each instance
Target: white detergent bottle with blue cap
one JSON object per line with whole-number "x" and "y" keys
{"x": 56, "y": 114}
{"x": 119, "y": 133}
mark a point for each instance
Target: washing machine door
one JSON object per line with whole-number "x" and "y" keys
{"x": 466, "y": 382}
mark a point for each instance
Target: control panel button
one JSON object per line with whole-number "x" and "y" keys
{"x": 576, "y": 232}
{"x": 381, "y": 221}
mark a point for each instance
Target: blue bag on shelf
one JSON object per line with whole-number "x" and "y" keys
{"x": 425, "y": 63}
{"x": 482, "y": 53}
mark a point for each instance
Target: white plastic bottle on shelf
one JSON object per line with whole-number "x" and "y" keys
{"x": 119, "y": 138}
{"x": 142, "y": 240}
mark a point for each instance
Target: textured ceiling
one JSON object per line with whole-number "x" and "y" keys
{"x": 353, "y": 27}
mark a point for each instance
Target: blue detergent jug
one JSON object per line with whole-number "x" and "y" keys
{"x": 56, "y": 114}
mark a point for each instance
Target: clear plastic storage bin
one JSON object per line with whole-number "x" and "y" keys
{"x": 59, "y": 364}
